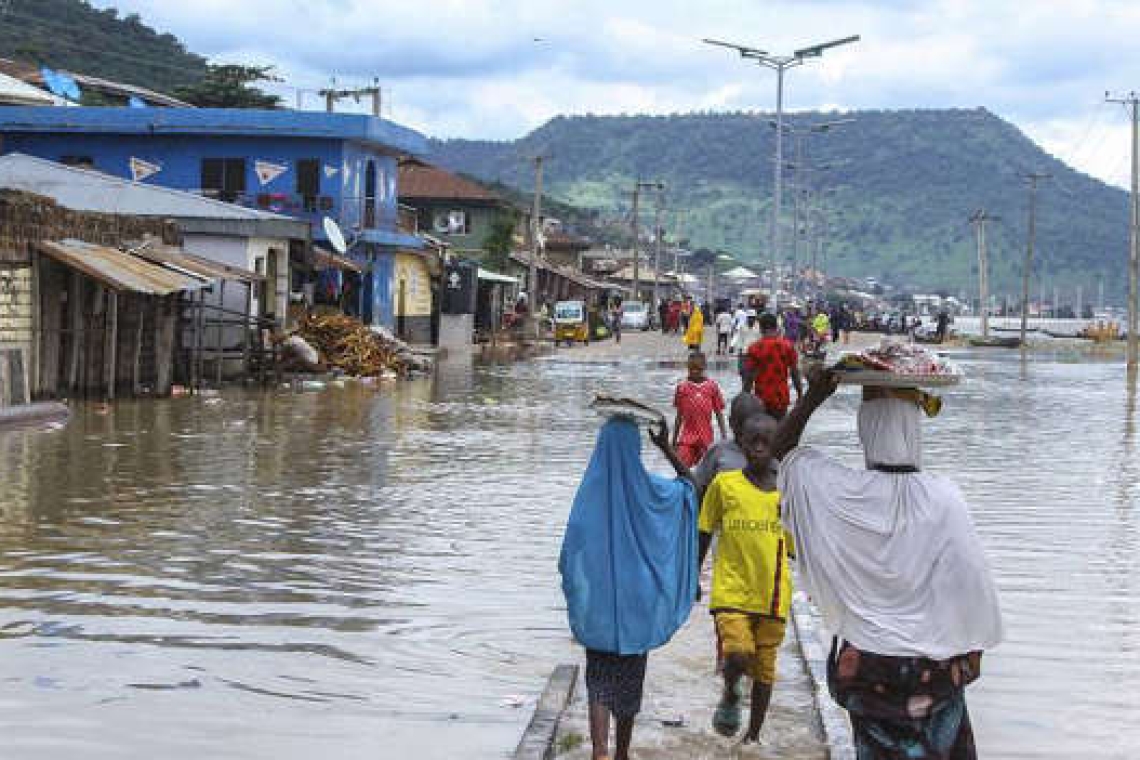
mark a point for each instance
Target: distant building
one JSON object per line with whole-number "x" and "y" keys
{"x": 453, "y": 209}
{"x": 306, "y": 165}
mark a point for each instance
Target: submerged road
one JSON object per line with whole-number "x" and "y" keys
{"x": 371, "y": 572}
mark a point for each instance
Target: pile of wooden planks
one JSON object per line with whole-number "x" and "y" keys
{"x": 349, "y": 345}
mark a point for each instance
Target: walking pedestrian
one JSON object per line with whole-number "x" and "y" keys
{"x": 695, "y": 331}
{"x": 752, "y": 586}
{"x": 697, "y": 399}
{"x": 723, "y": 332}
{"x": 663, "y": 315}
{"x": 616, "y": 314}
{"x": 686, "y": 313}
{"x": 627, "y": 591}
{"x": 739, "y": 325}
{"x": 890, "y": 556}
{"x": 769, "y": 363}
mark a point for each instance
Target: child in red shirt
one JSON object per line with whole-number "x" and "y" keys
{"x": 697, "y": 399}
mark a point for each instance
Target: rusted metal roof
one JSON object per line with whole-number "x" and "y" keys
{"x": 420, "y": 181}
{"x": 117, "y": 270}
{"x": 323, "y": 259}
{"x": 198, "y": 266}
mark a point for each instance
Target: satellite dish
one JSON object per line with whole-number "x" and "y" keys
{"x": 335, "y": 236}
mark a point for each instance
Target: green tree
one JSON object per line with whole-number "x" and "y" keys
{"x": 499, "y": 240}
{"x": 228, "y": 86}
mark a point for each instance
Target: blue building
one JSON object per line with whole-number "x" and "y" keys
{"x": 303, "y": 164}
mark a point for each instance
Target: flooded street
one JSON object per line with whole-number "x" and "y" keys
{"x": 372, "y": 573}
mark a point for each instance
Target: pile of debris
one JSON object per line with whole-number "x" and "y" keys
{"x": 347, "y": 344}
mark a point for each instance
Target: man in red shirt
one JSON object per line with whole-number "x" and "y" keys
{"x": 767, "y": 365}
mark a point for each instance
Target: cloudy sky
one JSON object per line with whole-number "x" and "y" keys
{"x": 496, "y": 69}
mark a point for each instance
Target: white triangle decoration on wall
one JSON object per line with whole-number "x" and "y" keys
{"x": 140, "y": 169}
{"x": 267, "y": 171}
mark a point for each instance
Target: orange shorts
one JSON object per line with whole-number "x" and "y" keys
{"x": 756, "y": 637}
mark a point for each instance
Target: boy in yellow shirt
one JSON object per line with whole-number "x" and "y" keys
{"x": 751, "y": 585}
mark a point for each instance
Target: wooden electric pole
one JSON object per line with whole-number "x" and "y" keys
{"x": 1034, "y": 178}
{"x": 1133, "y": 103}
{"x": 535, "y": 236}
{"x": 979, "y": 219}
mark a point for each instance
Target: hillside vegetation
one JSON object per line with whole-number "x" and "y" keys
{"x": 73, "y": 35}
{"x": 899, "y": 189}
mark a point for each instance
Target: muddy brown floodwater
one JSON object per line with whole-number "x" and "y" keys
{"x": 372, "y": 574}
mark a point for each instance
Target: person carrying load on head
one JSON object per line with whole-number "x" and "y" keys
{"x": 890, "y": 556}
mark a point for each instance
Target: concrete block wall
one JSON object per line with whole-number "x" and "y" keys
{"x": 16, "y": 306}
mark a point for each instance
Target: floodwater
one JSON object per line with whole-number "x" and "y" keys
{"x": 372, "y": 573}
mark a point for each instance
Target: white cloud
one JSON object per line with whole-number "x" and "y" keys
{"x": 475, "y": 69}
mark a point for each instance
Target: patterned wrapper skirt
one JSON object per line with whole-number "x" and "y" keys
{"x": 616, "y": 681}
{"x": 905, "y": 708}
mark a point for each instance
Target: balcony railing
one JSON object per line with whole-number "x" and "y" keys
{"x": 350, "y": 212}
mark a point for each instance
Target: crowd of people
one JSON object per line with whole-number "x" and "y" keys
{"x": 888, "y": 552}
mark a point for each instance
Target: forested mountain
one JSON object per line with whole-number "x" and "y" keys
{"x": 71, "y": 34}
{"x": 898, "y": 188}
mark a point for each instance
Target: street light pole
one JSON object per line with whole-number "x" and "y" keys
{"x": 780, "y": 64}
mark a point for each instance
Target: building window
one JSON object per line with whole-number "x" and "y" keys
{"x": 309, "y": 182}
{"x": 370, "y": 195}
{"x": 453, "y": 222}
{"x": 223, "y": 178}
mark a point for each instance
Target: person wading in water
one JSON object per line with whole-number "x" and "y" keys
{"x": 890, "y": 556}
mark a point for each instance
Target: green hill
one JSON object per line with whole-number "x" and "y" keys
{"x": 900, "y": 188}
{"x": 72, "y": 35}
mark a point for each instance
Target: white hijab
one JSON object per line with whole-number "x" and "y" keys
{"x": 891, "y": 559}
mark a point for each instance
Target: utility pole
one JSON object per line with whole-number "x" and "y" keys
{"x": 1034, "y": 178}
{"x": 636, "y": 238}
{"x": 638, "y": 185}
{"x": 535, "y": 236}
{"x": 657, "y": 232}
{"x": 979, "y": 220}
{"x": 332, "y": 95}
{"x": 1133, "y": 102}
{"x": 780, "y": 64}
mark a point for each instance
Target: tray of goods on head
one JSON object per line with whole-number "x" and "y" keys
{"x": 897, "y": 365}
{"x": 627, "y": 408}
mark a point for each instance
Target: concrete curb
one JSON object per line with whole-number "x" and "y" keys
{"x": 537, "y": 741}
{"x": 815, "y": 651}
{"x": 33, "y": 414}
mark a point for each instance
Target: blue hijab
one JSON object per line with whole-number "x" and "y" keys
{"x": 629, "y": 556}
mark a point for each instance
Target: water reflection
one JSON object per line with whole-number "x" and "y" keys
{"x": 350, "y": 571}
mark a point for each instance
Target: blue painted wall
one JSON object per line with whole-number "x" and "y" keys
{"x": 344, "y": 163}
{"x": 342, "y": 175}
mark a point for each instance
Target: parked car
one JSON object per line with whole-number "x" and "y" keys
{"x": 635, "y": 316}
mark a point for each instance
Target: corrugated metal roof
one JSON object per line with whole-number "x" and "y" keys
{"x": 118, "y": 270}
{"x": 329, "y": 260}
{"x": 87, "y": 190}
{"x": 16, "y": 92}
{"x": 178, "y": 259}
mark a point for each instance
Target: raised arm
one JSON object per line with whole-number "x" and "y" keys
{"x": 821, "y": 384}
{"x": 660, "y": 437}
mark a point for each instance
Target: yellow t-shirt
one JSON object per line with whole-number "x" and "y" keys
{"x": 751, "y": 572}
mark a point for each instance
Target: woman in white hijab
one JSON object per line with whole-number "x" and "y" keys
{"x": 890, "y": 556}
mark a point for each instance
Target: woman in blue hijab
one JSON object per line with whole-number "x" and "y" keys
{"x": 629, "y": 572}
